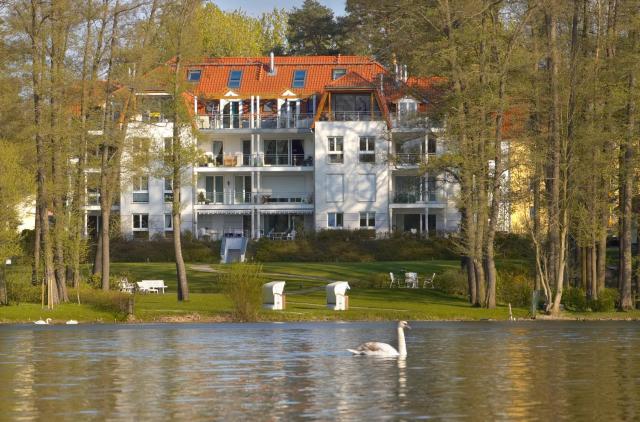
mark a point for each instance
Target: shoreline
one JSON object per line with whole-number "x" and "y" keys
{"x": 220, "y": 319}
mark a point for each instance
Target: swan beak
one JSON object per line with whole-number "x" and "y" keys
{"x": 408, "y": 327}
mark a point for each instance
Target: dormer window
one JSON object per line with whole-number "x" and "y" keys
{"x": 338, "y": 73}
{"x": 194, "y": 75}
{"x": 234, "y": 78}
{"x": 299, "y": 78}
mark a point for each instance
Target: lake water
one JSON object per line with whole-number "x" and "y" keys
{"x": 475, "y": 370}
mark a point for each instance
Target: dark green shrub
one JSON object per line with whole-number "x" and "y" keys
{"x": 575, "y": 299}
{"x": 514, "y": 288}
{"x": 513, "y": 246}
{"x": 20, "y": 290}
{"x": 243, "y": 285}
{"x": 452, "y": 282}
{"x": 111, "y": 301}
{"x": 351, "y": 246}
{"x": 162, "y": 250}
{"x": 606, "y": 301}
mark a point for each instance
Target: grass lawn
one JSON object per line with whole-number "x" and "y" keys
{"x": 305, "y": 296}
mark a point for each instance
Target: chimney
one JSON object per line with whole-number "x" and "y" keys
{"x": 272, "y": 64}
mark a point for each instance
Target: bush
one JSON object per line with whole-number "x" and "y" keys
{"x": 20, "y": 290}
{"x": 452, "y": 282}
{"x": 513, "y": 246}
{"x": 111, "y": 301}
{"x": 243, "y": 285}
{"x": 376, "y": 281}
{"x": 606, "y": 301}
{"x": 161, "y": 250}
{"x": 351, "y": 246}
{"x": 514, "y": 288}
{"x": 575, "y": 299}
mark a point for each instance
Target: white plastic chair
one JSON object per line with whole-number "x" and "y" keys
{"x": 429, "y": 281}
{"x": 411, "y": 280}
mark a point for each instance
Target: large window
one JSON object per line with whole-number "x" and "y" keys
{"x": 140, "y": 222}
{"x": 354, "y": 107}
{"x": 168, "y": 190}
{"x": 336, "y": 150}
{"x": 214, "y": 190}
{"x": 168, "y": 222}
{"x": 276, "y": 152}
{"x": 368, "y": 220}
{"x": 299, "y": 78}
{"x": 335, "y": 220}
{"x": 367, "y": 153}
{"x": 235, "y": 76}
{"x": 141, "y": 189}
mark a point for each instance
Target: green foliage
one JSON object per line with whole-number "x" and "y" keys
{"x": 243, "y": 285}
{"x": 513, "y": 246}
{"x": 575, "y": 299}
{"x": 111, "y": 301}
{"x": 237, "y": 34}
{"x": 514, "y": 288}
{"x": 162, "y": 250}
{"x": 606, "y": 301}
{"x": 452, "y": 282}
{"x": 20, "y": 289}
{"x": 312, "y": 30}
{"x": 352, "y": 246}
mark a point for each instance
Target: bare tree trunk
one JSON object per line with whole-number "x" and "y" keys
{"x": 37, "y": 240}
{"x": 626, "y": 197}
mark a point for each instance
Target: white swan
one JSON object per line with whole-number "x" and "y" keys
{"x": 373, "y": 348}
{"x": 72, "y": 322}
{"x": 41, "y": 322}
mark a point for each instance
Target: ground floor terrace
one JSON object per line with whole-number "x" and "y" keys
{"x": 423, "y": 221}
{"x": 273, "y": 223}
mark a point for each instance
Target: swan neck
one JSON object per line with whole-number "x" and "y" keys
{"x": 402, "y": 347}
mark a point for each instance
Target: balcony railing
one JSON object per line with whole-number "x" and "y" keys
{"x": 254, "y": 198}
{"x": 258, "y": 160}
{"x": 249, "y": 121}
{"x": 410, "y": 159}
{"x": 417, "y": 197}
{"x": 351, "y": 116}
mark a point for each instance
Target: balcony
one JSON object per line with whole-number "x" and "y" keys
{"x": 239, "y": 159}
{"x": 254, "y": 198}
{"x": 417, "y": 197}
{"x": 218, "y": 121}
{"x": 410, "y": 159}
{"x": 351, "y": 116}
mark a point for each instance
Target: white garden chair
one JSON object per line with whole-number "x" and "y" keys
{"x": 428, "y": 282}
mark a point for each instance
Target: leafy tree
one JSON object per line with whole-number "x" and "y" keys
{"x": 312, "y": 30}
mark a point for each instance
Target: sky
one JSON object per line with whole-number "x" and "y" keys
{"x": 257, "y": 7}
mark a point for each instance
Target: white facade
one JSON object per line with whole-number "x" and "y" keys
{"x": 322, "y": 178}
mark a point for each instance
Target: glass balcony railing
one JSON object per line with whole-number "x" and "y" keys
{"x": 351, "y": 116}
{"x": 254, "y": 198}
{"x": 258, "y": 160}
{"x": 218, "y": 121}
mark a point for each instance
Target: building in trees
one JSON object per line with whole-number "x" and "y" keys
{"x": 291, "y": 143}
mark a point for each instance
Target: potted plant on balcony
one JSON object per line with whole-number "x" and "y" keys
{"x": 210, "y": 161}
{"x": 201, "y": 198}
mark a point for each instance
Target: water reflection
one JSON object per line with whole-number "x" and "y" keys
{"x": 523, "y": 371}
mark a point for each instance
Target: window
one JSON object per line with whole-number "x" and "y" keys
{"x": 168, "y": 190}
{"x": 336, "y": 150}
{"x": 299, "y": 77}
{"x": 141, "y": 189}
{"x": 431, "y": 145}
{"x": 367, "y": 150}
{"x": 141, "y": 222}
{"x": 168, "y": 222}
{"x": 335, "y": 220}
{"x": 338, "y": 73}
{"x": 368, "y": 220}
{"x": 234, "y": 78}
{"x": 194, "y": 75}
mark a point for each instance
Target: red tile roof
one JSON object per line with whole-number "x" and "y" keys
{"x": 351, "y": 80}
{"x": 257, "y": 81}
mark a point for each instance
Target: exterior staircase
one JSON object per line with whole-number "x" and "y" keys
{"x": 233, "y": 249}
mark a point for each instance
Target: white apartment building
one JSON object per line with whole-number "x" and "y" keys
{"x": 294, "y": 143}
